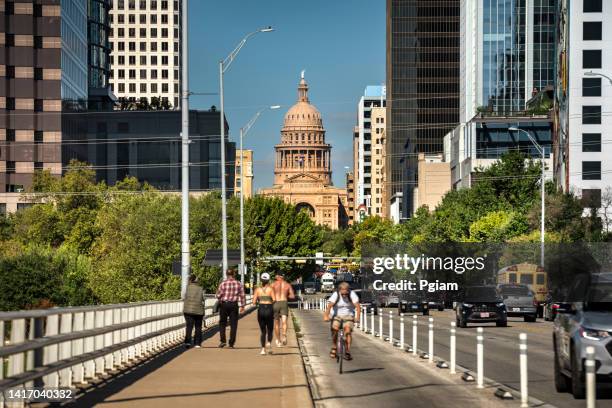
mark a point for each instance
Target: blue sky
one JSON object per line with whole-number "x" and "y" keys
{"x": 340, "y": 44}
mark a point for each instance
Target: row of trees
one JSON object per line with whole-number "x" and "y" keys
{"x": 503, "y": 205}
{"x": 85, "y": 242}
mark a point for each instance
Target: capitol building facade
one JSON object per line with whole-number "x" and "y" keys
{"x": 302, "y": 168}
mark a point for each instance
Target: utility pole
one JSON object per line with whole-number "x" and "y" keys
{"x": 185, "y": 254}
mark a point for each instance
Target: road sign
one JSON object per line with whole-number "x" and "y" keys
{"x": 214, "y": 257}
{"x": 319, "y": 256}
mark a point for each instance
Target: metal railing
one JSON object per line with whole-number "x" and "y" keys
{"x": 62, "y": 347}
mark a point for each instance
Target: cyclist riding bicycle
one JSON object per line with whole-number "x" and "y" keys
{"x": 344, "y": 304}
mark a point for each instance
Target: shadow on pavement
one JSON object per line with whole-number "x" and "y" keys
{"x": 382, "y": 392}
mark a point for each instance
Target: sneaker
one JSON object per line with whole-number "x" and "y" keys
{"x": 197, "y": 346}
{"x": 278, "y": 343}
{"x": 269, "y": 347}
{"x": 222, "y": 344}
{"x": 263, "y": 351}
{"x": 231, "y": 346}
{"x": 284, "y": 340}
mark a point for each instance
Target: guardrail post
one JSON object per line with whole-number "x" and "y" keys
{"x": 78, "y": 371}
{"x": 89, "y": 344}
{"x": 414, "y": 335}
{"x": 523, "y": 363}
{"x": 124, "y": 335}
{"x": 479, "y": 358}
{"x": 391, "y": 327}
{"x": 108, "y": 339}
{"x": 50, "y": 352}
{"x": 590, "y": 377}
{"x": 453, "y": 347}
{"x": 99, "y": 342}
{"x": 380, "y": 323}
{"x": 18, "y": 335}
{"x": 431, "y": 339}
{"x": 402, "y": 331}
{"x": 364, "y": 327}
{"x": 130, "y": 332}
{"x": 65, "y": 349}
{"x": 116, "y": 337}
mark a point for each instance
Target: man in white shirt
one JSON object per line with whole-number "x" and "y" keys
{"x": 343, "y": 305}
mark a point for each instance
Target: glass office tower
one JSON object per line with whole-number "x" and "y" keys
{"x": 422, "y": 86}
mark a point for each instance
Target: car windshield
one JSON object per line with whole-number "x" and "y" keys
{"x": 511, "y": 290}
{"x": 600, "y": 297}
{"x": 481, "y": 294}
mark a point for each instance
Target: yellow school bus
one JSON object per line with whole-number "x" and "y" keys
{"x": 526, "y": 274}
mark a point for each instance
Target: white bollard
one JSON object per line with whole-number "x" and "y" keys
{"x": 431, "y": 340}
{"x": 523, "y": 364}
{"x": 361, "y": 321}
{"x": 414, "y": 335}
{"x": 391, "y": 327}
{"x": 480, "y": 358}
{"x": 590, "y": 377}
{"x": 365, "y": 320}
{"x": 380, "y": 323}
{"x": 453, "y": 347}
{"x": 402, "y": 331}
{"x": 372, "y": 322}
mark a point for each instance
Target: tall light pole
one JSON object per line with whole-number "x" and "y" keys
{"x": 591, "y": 73}
{"x": 542, "y": 187}
{"x": 243, "y": 132}
{"x": 223, "y": 66}
{"x": 185, "y": 255}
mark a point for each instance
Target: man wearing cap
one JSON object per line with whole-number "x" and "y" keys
{"x": 283, "y": 292}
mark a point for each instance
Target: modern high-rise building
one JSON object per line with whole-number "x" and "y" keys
{"x": 507, "y": 79}
{"x": 248, "y": 176}
{"x": 584, "y": 98}
{"x": 147, "y": 145}
{"x": 98, "y": 55}
{"x": 369, "y": 135}
{"x": 422, "y": 88}
{"x": 146, "y": 50}
{"x": 45, "y": 68}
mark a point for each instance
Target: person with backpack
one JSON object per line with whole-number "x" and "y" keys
{"x": 343, "y": 305}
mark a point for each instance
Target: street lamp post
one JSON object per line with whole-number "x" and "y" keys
{"x": 223, "y": 66}
{"x": 185, "y": 250}
{"x": 542, "y": 188}
{"x": 243, "y": 132}
{"x": 591, "y": 73}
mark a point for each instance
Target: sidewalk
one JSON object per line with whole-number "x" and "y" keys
{"x": 216, "y": 377}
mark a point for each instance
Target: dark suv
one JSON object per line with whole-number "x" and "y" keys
{"x": 413, "y": 302}
{"x": 481, "y": 304}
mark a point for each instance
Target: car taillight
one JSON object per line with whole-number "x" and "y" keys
{"x": 555, "y": 306}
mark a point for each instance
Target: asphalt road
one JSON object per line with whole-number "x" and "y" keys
{"x": 380, "y": 376}
{"x": 501, "y": 352}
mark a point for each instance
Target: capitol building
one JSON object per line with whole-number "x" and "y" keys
{"x": 302, "y": 168}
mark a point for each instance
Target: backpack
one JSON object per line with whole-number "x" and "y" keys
{"x": 338, "y": 300}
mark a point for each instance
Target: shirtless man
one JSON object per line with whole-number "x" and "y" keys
{"x": 283, "y": 291}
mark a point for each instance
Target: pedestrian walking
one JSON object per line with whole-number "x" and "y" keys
{"x": 264, "y": 297}
{"x": 231, "y": 302}
{"x": 283, "y": 291}
{"x": 193, "y": 310}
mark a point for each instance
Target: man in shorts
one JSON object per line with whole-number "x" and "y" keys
{"x": 344, "y": 303}
{"x": 283, "y": 292}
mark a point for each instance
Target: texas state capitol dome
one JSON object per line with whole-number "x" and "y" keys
{"x": 302, "y": 166}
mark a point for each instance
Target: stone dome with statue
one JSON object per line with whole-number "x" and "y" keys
{"x": 302, "y": 165}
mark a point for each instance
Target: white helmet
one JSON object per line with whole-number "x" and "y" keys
{"x": 265, "y": 276}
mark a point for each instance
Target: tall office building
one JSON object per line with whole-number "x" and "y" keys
{"x": 507, "y": 80}
{"x": 98, "y": 55}
{"x": 44, "y": 70}
{"x": 367, "y": 143}
{"x": 584, "y": 98}
{"x": 422, "y": 88}
{"x": 244, "y": 157}
{"x": 146, "y": 50}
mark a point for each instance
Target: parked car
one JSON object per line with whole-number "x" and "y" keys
{"x": 435, "y": 301}
{"x": 413, "y": 302}
{"x": 392, "y": 300}
{"x": 481, "y": 304}
{"x": 519, "y": 300}
{"x": 369, "y": 300}
{"x": 310, "y": 288}
{"x": 584, "y": 319}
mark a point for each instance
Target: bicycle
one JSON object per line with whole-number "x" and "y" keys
{"x": 340, "y": 346}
